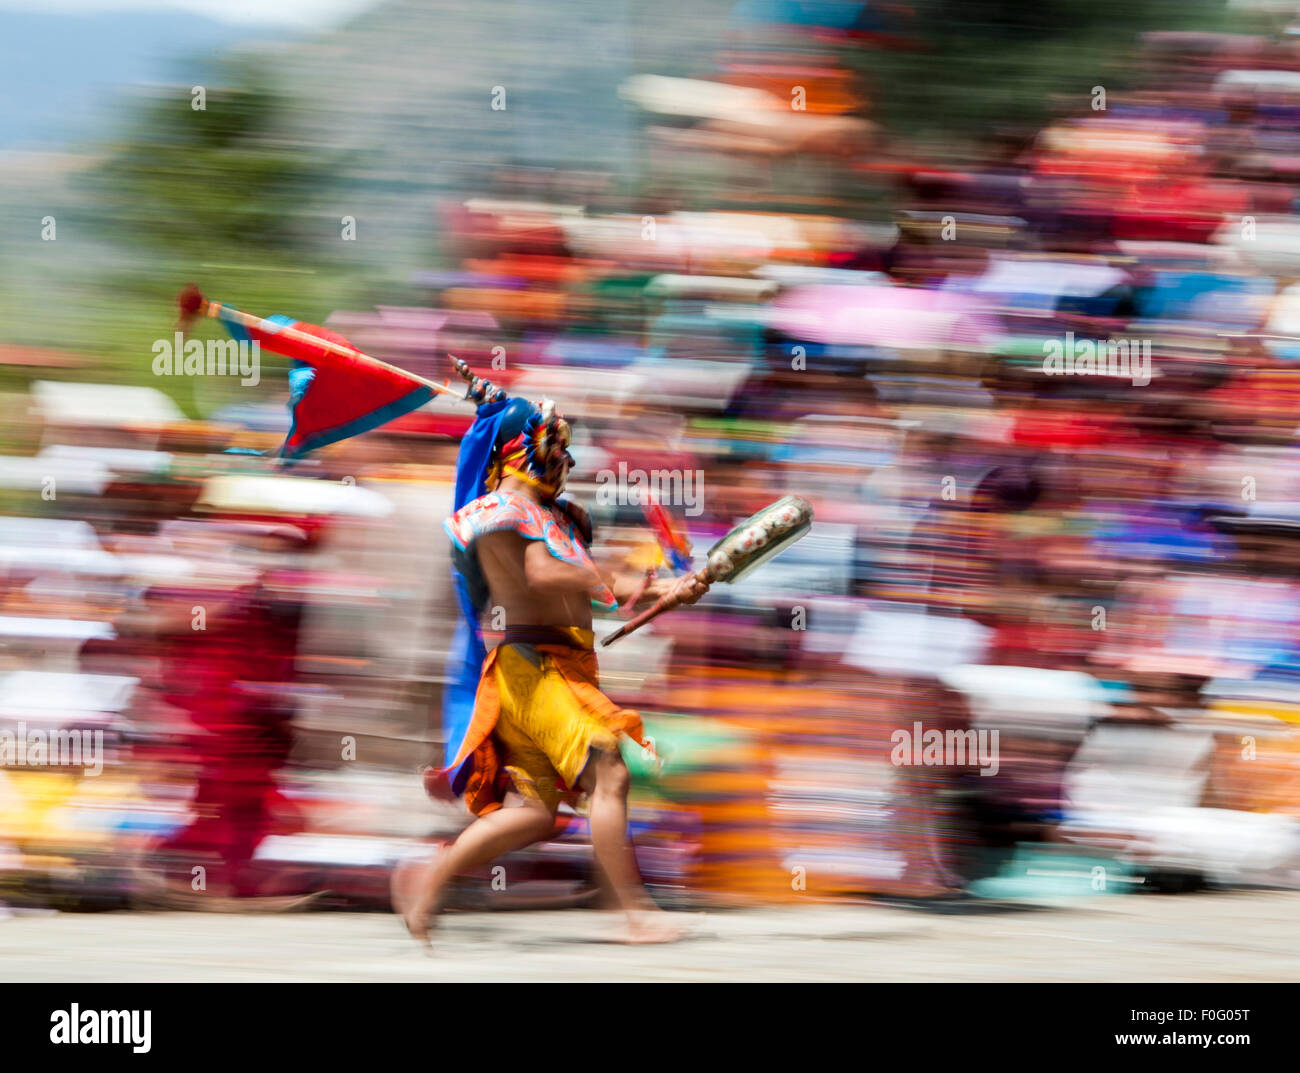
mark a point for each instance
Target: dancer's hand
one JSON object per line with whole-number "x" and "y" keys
{"x": 689, "y": 589}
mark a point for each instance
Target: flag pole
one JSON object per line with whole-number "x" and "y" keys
{"x": 192, "y": 304}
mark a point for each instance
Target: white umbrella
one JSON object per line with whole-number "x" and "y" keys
{"x": 1029, "y": 697}
{"x": 1270, "y": 243}
{"x": 104, "y": 404}
{"x": 290, "y": 495}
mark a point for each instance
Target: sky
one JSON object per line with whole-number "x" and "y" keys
{"x": 292, "y": 13}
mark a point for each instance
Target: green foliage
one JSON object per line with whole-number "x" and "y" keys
{"x": 224, "y": 197}
{"x": 229, "y": 175}
{"x": 983, "y": 65}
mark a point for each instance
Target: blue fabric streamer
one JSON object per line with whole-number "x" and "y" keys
{"x": 467, "y": 653}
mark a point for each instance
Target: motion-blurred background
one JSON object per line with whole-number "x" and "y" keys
{"x": 818, "y": 248}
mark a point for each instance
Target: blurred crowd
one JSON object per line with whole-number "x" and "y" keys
{"x": 1089, "y": 572}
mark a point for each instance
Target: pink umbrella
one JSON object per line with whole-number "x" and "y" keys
{"x": 887, "y": 316}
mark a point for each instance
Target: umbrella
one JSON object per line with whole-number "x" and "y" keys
{"x": 290, "y": 495}
{"x": 699, "y": 99}
{"x": 1259, "y": 81}
{"x": 739, "y": 288}
{"x": 118, "y": 405}
{"x": 1043, "y": 285}
{"x": 74, "y": 476}
{"x": 1272, "y": 245}
{"x": 1284, "y": 320}
{"x": 743, "y": 118}
{"x": 898, "y": 317}
{"x": 120, "y": 460}
{"x": 902, "y": 639}
{"x": 1066, "y": 702}
{"x": 1207, "y": 297}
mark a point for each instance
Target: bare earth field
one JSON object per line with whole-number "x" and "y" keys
{"x": 1237, "y": 936}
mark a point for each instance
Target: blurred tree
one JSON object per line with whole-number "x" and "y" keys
{"x": 978, "y": 66}
{"x": 227, "y": 174}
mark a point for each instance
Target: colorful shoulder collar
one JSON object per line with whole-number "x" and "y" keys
{"x": 496, "y": 511}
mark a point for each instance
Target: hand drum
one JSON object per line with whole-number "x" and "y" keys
{"x": 754, "y": 541}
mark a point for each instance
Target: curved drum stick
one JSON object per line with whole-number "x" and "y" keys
{"x": 752, "y": 542}
{"x": 664, "y": 603}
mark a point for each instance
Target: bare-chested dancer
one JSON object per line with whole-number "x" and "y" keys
{"x": 541, "y": 730}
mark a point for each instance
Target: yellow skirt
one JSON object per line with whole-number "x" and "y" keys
{"x": 544, "y": 732}
{"x": 538, "y": 715}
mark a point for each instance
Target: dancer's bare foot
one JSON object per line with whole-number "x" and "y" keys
{"x": 417, "y": 923}
{"x": 410, "y": 880}
{"x": 653, "y": 926}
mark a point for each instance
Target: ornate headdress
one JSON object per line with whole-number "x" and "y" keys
{"x": 511, "y": 437}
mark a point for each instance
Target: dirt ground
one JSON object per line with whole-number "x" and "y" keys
{"x": 1238, "y": 936}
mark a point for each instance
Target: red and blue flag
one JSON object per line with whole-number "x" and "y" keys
{"x": 335, "y": 391}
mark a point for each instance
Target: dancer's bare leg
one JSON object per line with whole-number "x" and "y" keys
{"x": 607, "y": 781}
{"x": 484, "y": 840}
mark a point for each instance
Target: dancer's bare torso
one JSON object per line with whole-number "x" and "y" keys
{"x": 530, "y": 586}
